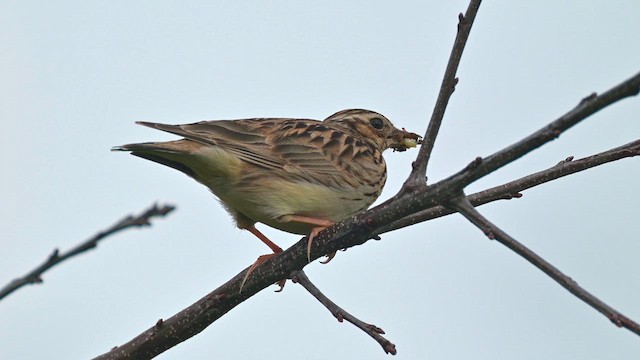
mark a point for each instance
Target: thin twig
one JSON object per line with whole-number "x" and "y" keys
{"x": 513, "y": 188}
{"x": 462, "y": 205}
{"x": 449, "y": 81}
{"x": 587, "y": 107}
{"x": 35, "y": 275}
{"x": 339, "y": 313}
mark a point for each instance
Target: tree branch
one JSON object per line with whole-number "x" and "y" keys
{"x": 513, "y": 188}
{"x": 449, "y": 81}
{"x": 462, "y": 205}
{"x": 339, "y": 313}
{"x": 35, "y": 275}
{"x": 347, "y": 233}
{"x": 587, "y": 106}
{"x": 413, "y": 198}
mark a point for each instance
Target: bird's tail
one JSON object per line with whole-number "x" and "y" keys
{"x": 170, "y": 153}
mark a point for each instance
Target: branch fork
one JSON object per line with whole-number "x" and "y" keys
{"x": 415, "y": 202}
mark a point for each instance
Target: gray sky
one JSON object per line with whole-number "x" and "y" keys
{"x": 76, "y": 75}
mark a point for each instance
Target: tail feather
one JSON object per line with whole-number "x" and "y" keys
{"x": 167, "y": 162}
{"x": 165, "y": 153}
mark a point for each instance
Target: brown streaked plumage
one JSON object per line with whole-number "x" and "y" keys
{"x": 296, "y": 175}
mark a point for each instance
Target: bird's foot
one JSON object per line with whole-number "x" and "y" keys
{"x": 329, "y": 258}
{"x": 261, "y": 260}
{"x": 311, "y": 236}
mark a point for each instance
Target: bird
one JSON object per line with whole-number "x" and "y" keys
{"x": 293, "y": 174}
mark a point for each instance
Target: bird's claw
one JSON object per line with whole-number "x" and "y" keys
{"x": 261, "y": 259}
{"x": 329, "y": 258}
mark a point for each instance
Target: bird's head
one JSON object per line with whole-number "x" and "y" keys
{"x": 374, "y": 129}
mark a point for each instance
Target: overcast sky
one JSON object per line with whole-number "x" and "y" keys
{"x": 76, "y": 75}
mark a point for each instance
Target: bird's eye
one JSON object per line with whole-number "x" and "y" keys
{"x": 377, "y": 123}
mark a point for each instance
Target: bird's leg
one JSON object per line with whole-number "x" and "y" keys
{"x": 262, "y": 258}
{"x": 275, "y": 248}
{"x": 321, "y": 224}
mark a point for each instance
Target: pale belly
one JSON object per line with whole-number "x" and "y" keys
{"x": 279, "y": 198}
{"x": 270, "y": 200}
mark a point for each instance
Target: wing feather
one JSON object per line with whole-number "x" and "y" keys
{"x": 296, "y": 149}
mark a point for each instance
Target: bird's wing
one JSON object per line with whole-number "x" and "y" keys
{"x": 324, "y": 154}
{"x": 300, "y": 149}
{"x": 235, "y": 136}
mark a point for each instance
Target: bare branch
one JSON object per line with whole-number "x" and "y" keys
{"x": 462, "y": 205}
{"x": 339, "y": 313}
{"x": 413, "y": 198}
{"x": 35, "y": 275}
{"x": 347, "y": 233}
{"x": 449, "y": 81}
{"x": 587, "y": 106}
{"x": 513, "y": 188}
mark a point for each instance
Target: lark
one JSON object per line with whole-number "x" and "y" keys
{"x": 296, "y": 175}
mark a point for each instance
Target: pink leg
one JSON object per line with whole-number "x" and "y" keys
{"x": 321, "y": 224}
{"x": 275, "y": 248}
{"x": 261, "y": 259}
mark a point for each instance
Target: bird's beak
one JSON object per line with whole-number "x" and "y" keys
{"x": 402, "y": 140}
